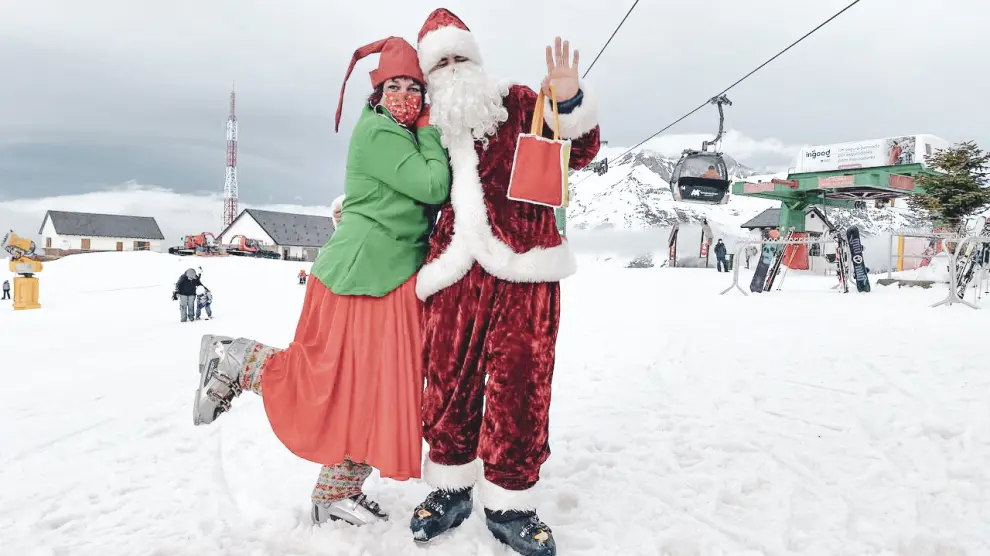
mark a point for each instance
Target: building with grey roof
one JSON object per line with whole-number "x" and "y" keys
{"x": 82, "y": 231}
{"x": 815, "y": 220}
{"x": 296, "y": 237}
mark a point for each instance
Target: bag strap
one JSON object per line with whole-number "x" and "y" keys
{"x": 536, "y": 126}
{"x": 538, "y": 111}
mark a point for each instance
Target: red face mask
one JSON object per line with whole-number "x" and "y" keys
{"x": 404, "y": 107}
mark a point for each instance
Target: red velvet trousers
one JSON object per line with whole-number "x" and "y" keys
{"x": 489, "y": 356}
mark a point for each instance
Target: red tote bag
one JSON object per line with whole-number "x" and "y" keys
{"x": 539, "y": 167}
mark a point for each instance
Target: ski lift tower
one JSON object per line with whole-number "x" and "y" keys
{"x": 844, "y": 174}
{"x": 230, "y": 179}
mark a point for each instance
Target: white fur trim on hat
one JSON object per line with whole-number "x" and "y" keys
{"x": 447, "y": 41}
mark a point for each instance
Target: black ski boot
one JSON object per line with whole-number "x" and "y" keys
{"x": 522, "y": 532}
{"x": 442, "y": 511}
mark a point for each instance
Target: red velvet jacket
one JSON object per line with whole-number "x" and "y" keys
{"x": 512, "y": 240}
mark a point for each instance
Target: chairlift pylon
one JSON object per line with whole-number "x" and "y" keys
{"x": 702, "y": 176}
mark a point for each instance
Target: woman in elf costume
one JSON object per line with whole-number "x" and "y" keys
{"x": 347, "y": 391}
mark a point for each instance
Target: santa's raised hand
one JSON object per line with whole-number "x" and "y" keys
{"x": 562, "y": 71}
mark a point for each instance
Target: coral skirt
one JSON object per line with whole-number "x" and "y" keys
{"x": 350, "y": 385}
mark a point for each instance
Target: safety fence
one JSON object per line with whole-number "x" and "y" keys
{"x": 952, "y": 246}
{"x": 741, "y": 248}
{"x": 958, "y": 242}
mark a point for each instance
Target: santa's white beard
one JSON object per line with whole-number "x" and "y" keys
{"x": 465, "y": 103}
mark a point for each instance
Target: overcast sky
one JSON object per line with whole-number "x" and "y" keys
{"x": 96, "y": 93}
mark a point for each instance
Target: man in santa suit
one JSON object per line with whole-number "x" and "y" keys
{"x": 491, "y": 291}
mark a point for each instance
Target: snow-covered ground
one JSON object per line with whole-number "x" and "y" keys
{"x": 683, "y": 422}
{"x": 937, "y": 271}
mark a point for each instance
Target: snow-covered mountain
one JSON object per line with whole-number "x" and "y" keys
{"x": 635, "y": 195}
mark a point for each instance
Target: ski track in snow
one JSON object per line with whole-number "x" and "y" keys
{"x": 683, "y": 422}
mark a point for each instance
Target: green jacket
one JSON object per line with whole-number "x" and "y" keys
{"x": 391, "y": 179}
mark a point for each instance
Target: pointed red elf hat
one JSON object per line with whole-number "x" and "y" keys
{"x": 398, "y": 59}
{"x": 444, "y": 34}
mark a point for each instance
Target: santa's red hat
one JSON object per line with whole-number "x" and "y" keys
{"x": 444, "y": 34}
{"x": 398, "y": 59}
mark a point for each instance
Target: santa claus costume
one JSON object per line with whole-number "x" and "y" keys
{"x": 492, "y": 297}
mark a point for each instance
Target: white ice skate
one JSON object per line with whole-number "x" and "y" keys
{"x": 220, "y": 362}
{"x": 357, "y": 510}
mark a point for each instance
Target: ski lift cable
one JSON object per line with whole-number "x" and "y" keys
{"x": 602, "y": 51}
{"x": 740, "y": 80}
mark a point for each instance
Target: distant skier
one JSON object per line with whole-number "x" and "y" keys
{"x": 302, "y": 277}
{"x": 185, "y": 293}
{"x": 6, "y": 289}
{"x": 722, "y": 263}
{"x": 751, "y": 252}
{"x": 203, "y": 301}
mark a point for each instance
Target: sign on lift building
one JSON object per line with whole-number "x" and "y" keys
{"x": 890, "y": 151}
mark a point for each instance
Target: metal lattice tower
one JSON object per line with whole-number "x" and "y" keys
{"x": 230, "y": 182}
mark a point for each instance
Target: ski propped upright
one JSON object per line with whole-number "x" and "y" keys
{"x": 841, "y": 268}
{"x": 859, "y": 265}
{"x": 971, "y": 258}
{"x": 778, "y": 258}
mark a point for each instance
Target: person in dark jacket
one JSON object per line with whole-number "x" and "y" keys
{"x": 185, "y": 293}
{"x": 720, "y": 257}
{"x": 6, "y": 289}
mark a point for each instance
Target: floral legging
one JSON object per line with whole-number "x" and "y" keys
{"x": 336, "y": 481}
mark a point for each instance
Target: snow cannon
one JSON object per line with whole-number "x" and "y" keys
{"x": 23, "y": 262}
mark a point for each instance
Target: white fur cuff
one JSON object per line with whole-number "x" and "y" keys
{"x": 583, "y": 119}
{"x": 498, "y": 499}
{"x": 450, "y": 477}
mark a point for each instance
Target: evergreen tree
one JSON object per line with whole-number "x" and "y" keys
{"x": 960, "y": 190}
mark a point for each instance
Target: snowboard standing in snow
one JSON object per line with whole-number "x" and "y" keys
{"x": 762, "y": 267}
{"x": 859, "y": 265}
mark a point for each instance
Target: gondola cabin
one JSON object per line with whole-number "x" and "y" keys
{"x": 700, "y": 177}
